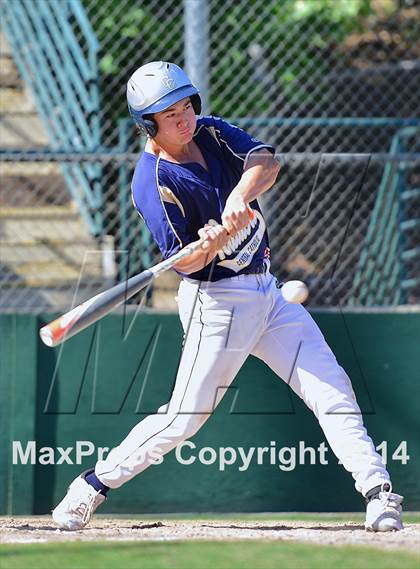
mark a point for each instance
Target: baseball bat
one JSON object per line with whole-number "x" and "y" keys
{"x": 92, "y": 310}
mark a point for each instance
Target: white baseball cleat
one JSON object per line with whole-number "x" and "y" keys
{"x": 76, "y": 508}
{"x": 383, "y": 511}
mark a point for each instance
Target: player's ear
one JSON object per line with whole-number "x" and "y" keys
{"x": 148, "y": 126}
{"x": 196, "y": 103}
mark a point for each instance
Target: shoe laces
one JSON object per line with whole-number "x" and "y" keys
{"x": 84, "y": 508}
{"x": 89, "y": 506}
{"x": 388, "y": 500}
{"x": 386, "y": 489}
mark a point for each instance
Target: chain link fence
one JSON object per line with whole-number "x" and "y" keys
{"x": 332, "y": 84}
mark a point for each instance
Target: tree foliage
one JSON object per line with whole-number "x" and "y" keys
{"x": 276, "y": 46}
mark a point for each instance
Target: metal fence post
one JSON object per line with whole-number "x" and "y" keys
{"x": 196, "y": 47}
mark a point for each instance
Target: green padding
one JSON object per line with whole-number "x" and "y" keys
{"x": 18, "y": 383}
{"x": 91, "y": 391}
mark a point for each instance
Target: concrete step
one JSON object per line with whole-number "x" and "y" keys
{"x": 16, "y": 100}
{"x": 4, "y": 44}
{"x": 31, "y": 185}
{"x": 44, "y": 298}
{"x": 58, "y": 275}
{"x": 22, "y": 130}
{"x": 46, "y": 246}
{"x": 45, "y": 275}
{"x": 74, "y": 254}
{"x": 14, "y": 94}
{"x": 42, "y": 265}
{"x": 30, "y": 169}
{"x": 20, "y": 125}
{"x": 9, "y": 80}
{"x": 42, "y": 213}
{"x": 9, "y": 75}
{"x": 42, "y": 223}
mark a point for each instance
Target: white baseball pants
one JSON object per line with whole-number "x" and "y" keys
{"x": 224, "y": 322}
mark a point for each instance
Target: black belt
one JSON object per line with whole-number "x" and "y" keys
{"x": 260, "y": 269}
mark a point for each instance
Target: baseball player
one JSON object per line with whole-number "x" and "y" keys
{"x": 200, "y": 178}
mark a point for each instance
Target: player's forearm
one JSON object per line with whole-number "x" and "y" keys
{"x": 196, "y": 261}
{"x": 259, "y": 175}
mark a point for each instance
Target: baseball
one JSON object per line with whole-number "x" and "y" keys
{"x": 295, "y": 292}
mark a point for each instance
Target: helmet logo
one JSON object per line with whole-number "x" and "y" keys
{"x": 168, "y": 82}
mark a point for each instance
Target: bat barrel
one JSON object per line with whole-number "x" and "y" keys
{"x": 92, "y": 310}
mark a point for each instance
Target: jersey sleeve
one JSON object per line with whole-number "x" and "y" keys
{"x": 239, "y": 142}
{"x": 162, "y": 211}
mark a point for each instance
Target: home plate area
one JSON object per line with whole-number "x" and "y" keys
{"x": 41, "y": 529}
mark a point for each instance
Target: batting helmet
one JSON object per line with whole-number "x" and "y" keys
{"x": 153, "y": 88}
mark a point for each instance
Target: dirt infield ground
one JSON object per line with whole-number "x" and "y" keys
{"x": 42, "y": 530}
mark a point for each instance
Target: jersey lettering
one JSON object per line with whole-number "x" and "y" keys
{"x": 245, "y": 255}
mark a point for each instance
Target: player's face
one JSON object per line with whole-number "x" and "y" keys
{"x": 176, "y": 125}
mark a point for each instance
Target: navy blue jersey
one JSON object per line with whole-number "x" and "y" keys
{"x": 176, "y": 200}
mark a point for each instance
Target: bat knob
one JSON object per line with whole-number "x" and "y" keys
{"x": 46, "y": 336}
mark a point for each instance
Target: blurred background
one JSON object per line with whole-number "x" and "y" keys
{"x": 333, "y": 84}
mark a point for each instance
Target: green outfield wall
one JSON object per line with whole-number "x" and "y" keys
{"x": 262, "y": 450}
